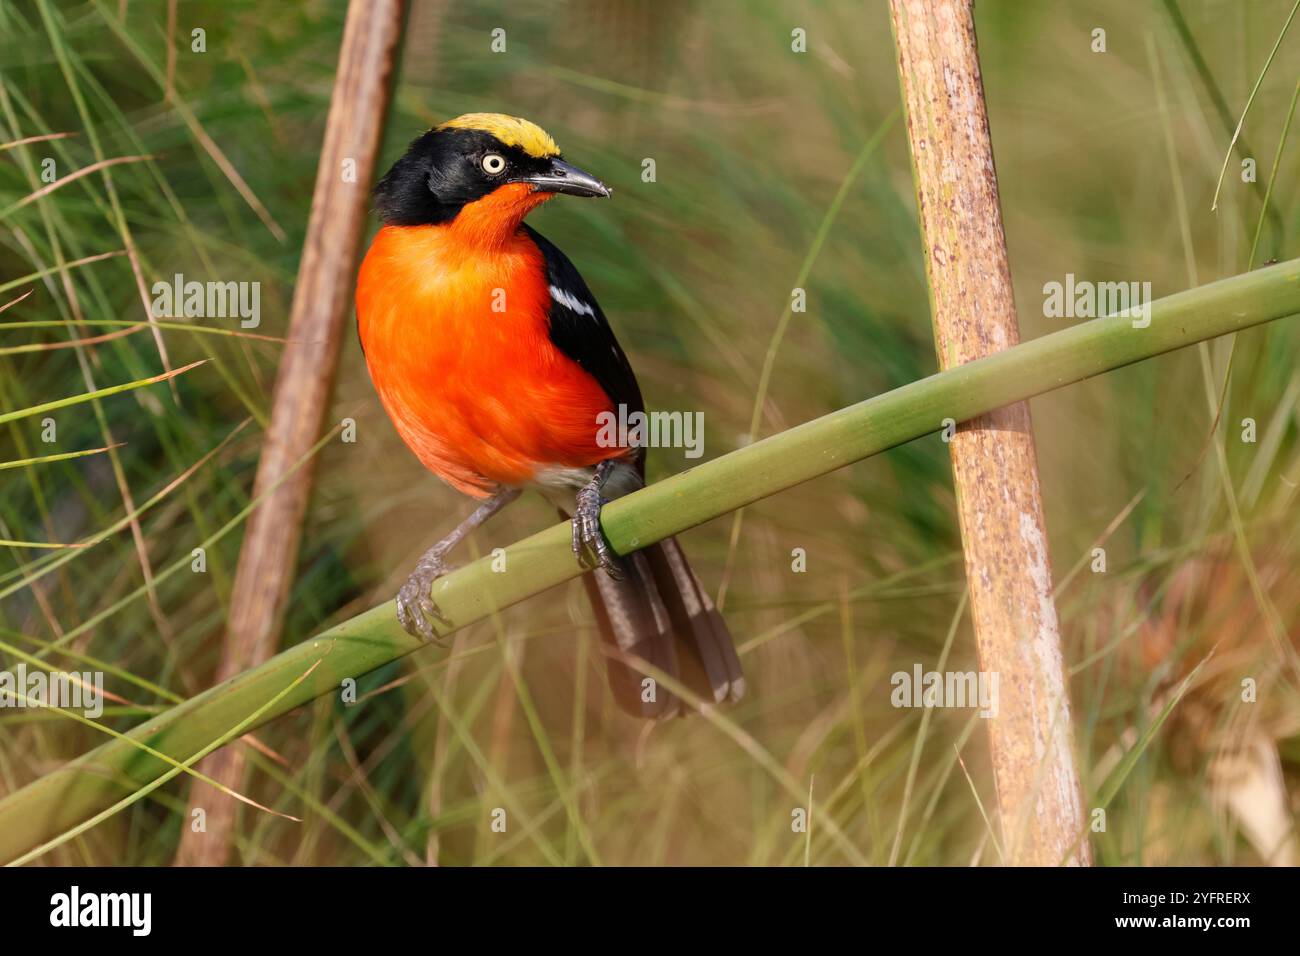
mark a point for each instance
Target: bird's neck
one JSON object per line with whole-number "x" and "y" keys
{"x": 487, "y": 225}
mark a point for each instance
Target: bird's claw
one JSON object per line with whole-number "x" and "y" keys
{"x": 588, "y": 538}
{"x": 416, "y": 608}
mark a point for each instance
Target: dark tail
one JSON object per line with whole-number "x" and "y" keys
{"x": 659, "y": 612}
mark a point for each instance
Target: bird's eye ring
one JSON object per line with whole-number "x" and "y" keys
{"x": 493, "y": 164}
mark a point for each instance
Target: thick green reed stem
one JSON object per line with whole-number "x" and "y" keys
{"x": 65, "y": 797}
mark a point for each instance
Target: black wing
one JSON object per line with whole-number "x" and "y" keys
{"x": 579, "y": 329}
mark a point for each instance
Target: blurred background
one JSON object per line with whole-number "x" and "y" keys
{"x": 773, "y": 169}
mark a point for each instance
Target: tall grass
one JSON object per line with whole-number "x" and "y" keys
{"x": 752, "y": 144}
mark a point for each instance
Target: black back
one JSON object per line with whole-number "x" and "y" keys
{"x": 580, "y": 330}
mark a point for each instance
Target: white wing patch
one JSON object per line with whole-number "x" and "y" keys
{"x": 571, "y": 303}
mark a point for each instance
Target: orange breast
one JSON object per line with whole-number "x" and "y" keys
{"x": 456, "y": 340}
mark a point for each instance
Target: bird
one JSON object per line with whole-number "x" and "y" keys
{"x": 495, "y": 364}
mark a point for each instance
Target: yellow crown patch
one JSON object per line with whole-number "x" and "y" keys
{"x": 510, "y": 130}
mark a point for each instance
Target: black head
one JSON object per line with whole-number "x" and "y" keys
{"x": 471, "y": 157}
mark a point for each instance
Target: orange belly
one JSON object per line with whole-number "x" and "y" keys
{"x": 457, "y": 342}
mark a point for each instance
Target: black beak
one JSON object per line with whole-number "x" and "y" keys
{"x": 560, "y": 177}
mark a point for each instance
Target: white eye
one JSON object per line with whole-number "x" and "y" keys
{"x": 493, "y": 164}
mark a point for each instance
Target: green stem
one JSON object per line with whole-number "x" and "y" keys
{"x": 63, "y": 799}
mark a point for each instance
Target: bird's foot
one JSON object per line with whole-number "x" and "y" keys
{"x": 416, "y": 608}
{"x": 588, "y": 538}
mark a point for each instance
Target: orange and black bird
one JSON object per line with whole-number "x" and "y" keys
{"x": 496, "y": 366}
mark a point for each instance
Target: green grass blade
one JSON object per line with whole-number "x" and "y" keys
{"x": 46, "y": 459}
{"x": 98, "y": 393}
